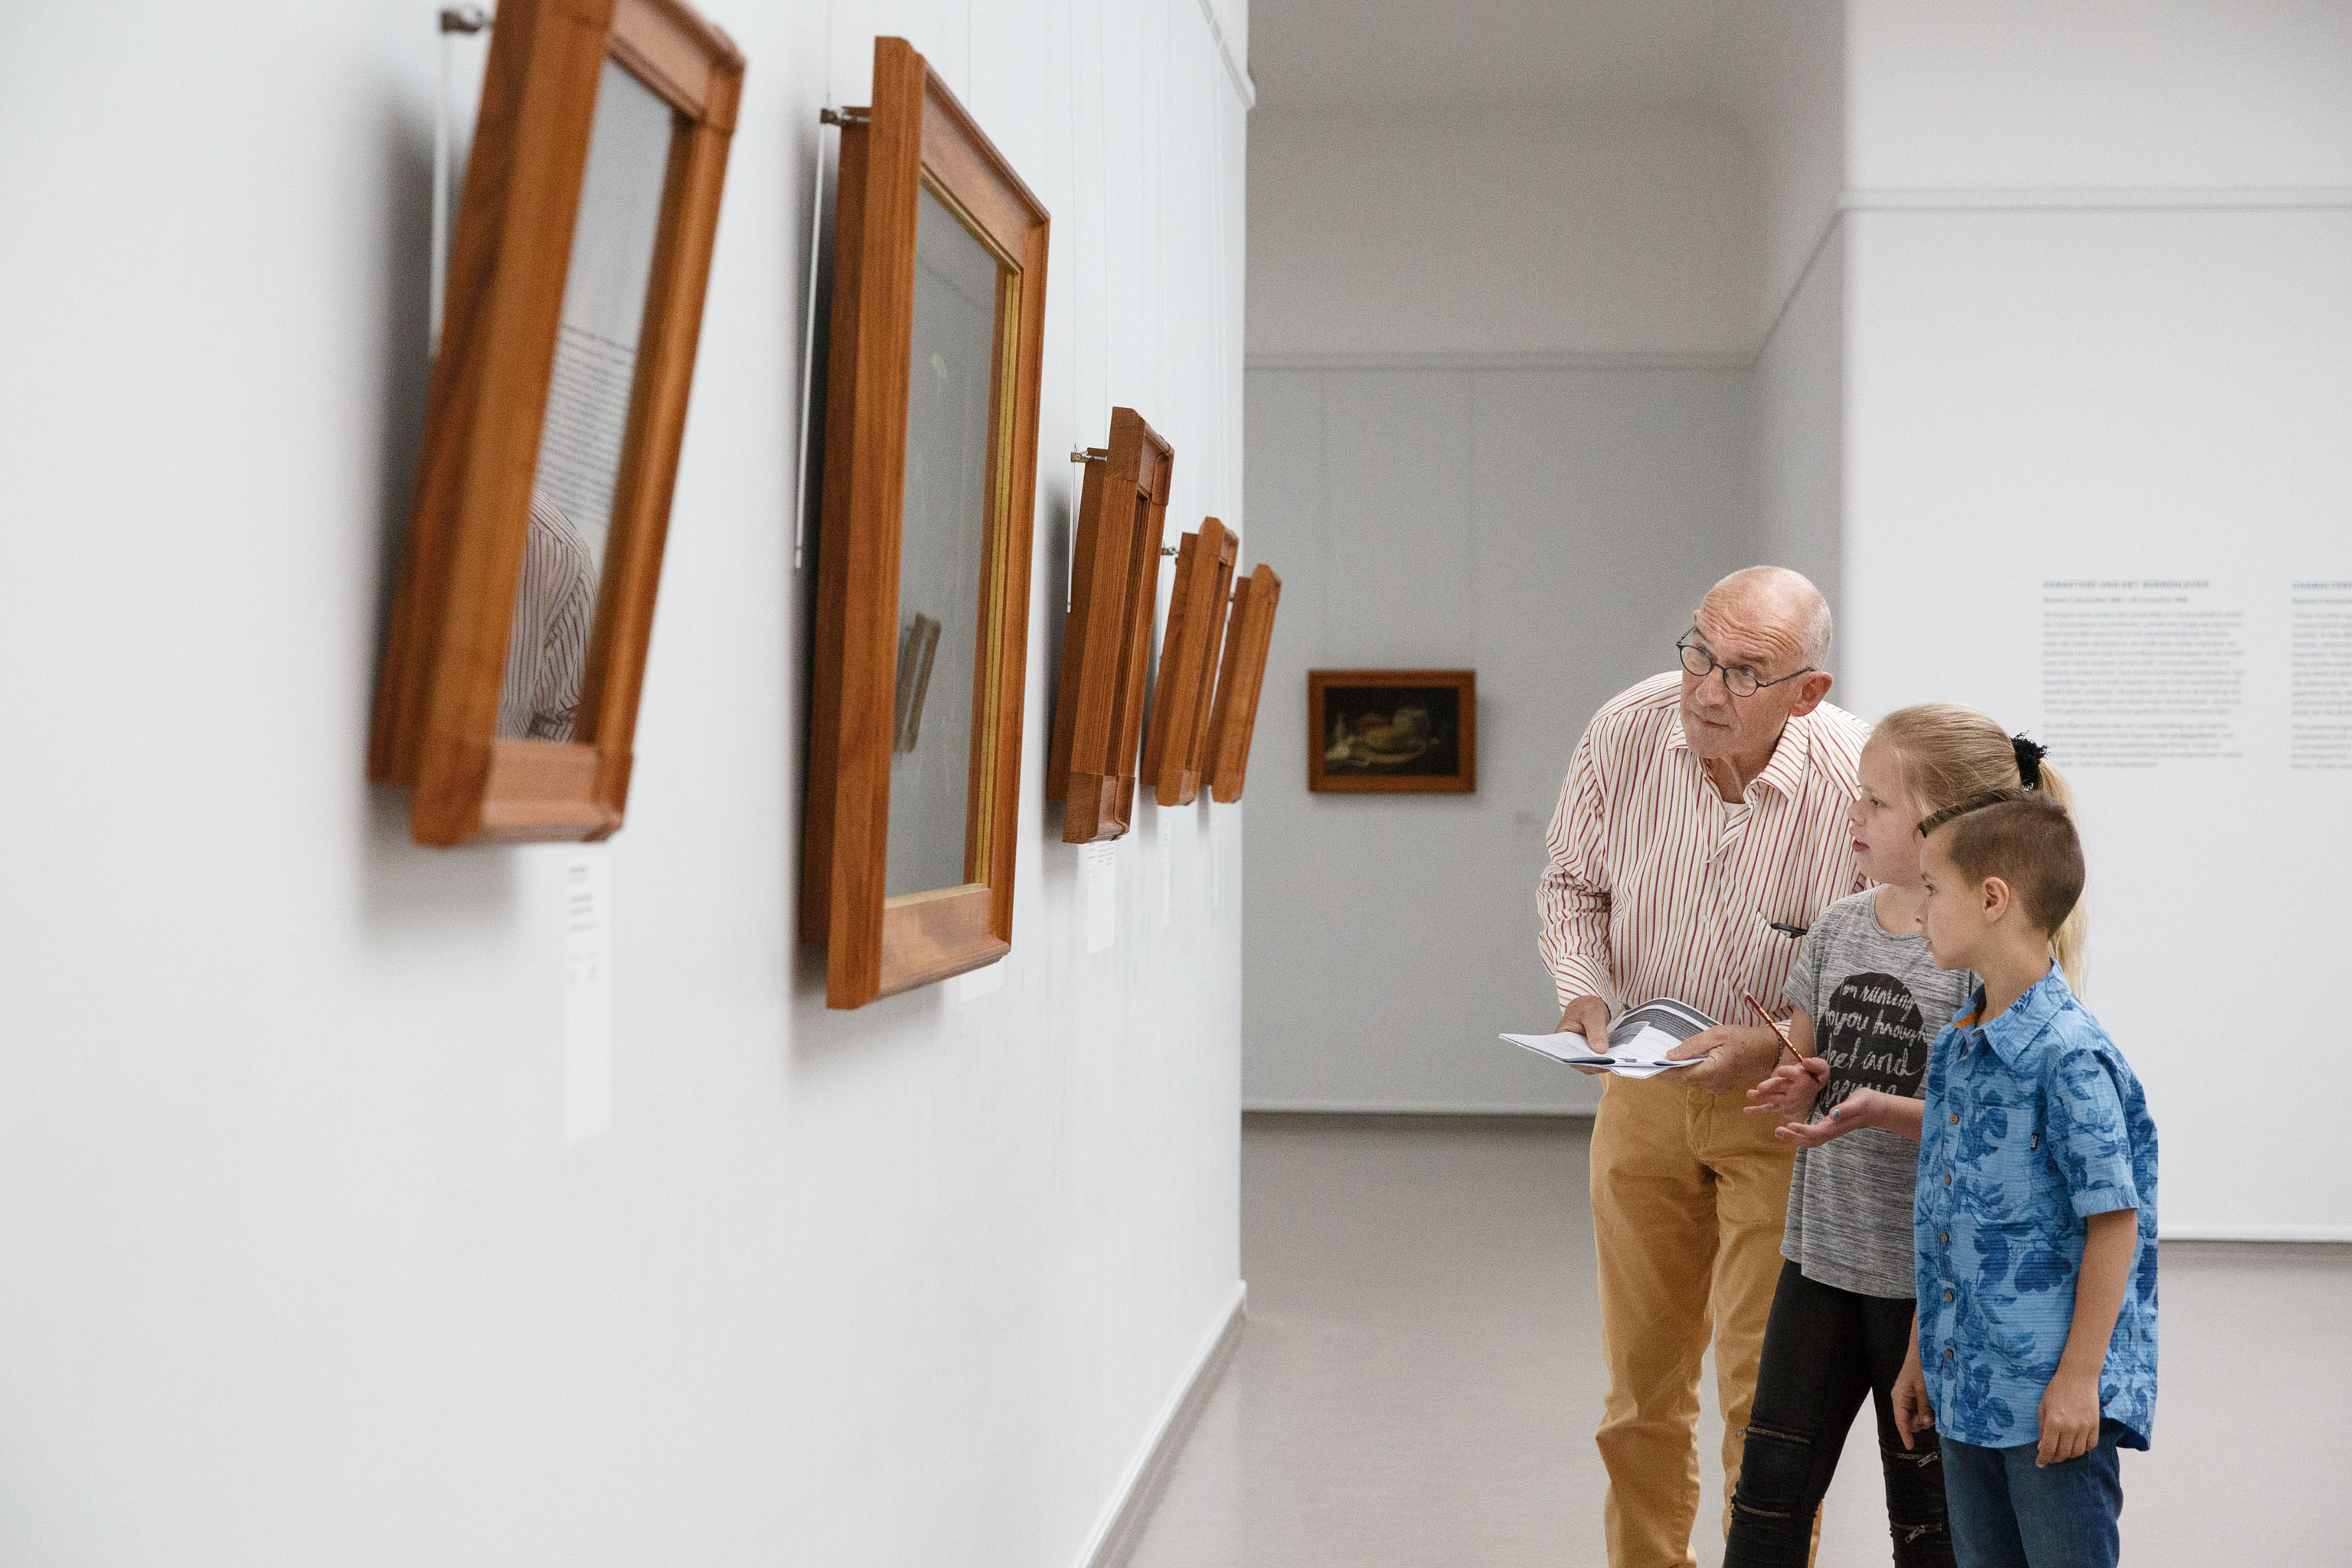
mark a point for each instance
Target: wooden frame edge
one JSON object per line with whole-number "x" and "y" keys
{"x": 878, "y": 945}
{"x": 435, "y": 719}
{"x": 1204, "y": 564}
{"x": 1114, "y": 574}
{"x": 1465, "y": 681}
{"x": 1233, "y": 722}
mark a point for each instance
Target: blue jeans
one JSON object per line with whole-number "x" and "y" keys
{"x": 2006, "y": 1513}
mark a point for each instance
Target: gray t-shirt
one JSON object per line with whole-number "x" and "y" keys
{"x": 1878, "y": 1003}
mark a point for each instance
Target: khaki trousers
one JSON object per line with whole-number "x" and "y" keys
{"x": 1690, "y": 1196}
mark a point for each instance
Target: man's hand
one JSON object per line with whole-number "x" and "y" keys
{"x": 2070, "y": 1417}
{"x": 1913, "y": 1414}
{"x": 1589, "y": 1016}
{"x": 1791, "y": 1091}
{"x": 1736, "y": 1058}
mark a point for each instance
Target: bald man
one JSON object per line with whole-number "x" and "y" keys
{"x": 1701, "y": 828}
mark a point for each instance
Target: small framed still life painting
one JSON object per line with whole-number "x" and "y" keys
{"x": 1392, "y": 732}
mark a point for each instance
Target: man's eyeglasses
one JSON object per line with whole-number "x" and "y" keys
{"x": 1737, "y": 679}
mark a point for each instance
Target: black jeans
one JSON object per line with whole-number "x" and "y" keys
{"x": 1824, "y": 1350}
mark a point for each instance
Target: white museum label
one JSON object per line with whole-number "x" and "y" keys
{"x": 1163, "y": 855}
{"x": 1099, "y": 869}
{"x": 1216, "y": 856}
{"x": 587, "y": 991}
{"x": 974, "y": 983}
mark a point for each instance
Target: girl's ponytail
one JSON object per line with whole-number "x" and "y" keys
{"x": 2066, "y": 944}
{"x": 1948, "y": 752}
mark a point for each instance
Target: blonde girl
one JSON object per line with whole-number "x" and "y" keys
{"x": 1868, "y": 1001}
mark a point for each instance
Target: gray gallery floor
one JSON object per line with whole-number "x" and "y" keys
{"x": 1418, "y": 1382}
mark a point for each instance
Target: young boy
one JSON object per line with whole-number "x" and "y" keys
{"x": 2034, "y": 1352}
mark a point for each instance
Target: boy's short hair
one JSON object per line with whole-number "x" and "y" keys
{"x": 2024, "y": 837}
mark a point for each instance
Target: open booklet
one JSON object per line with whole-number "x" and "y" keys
{"x": 1638, "y": 1041}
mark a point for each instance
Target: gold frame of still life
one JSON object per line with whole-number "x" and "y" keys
{"x": 1392, "y": 732}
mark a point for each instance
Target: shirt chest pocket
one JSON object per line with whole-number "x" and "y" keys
{"x": 2004, "y": 1148}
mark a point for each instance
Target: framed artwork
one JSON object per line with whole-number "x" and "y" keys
{"x": 1178, "y": 743}
{"x": 1114, "y": 584}
{"x": 922, "y": 601}
{"x": 1392, "y": 732}
{"x": 506, "y": 698}
{"x": 1232, "y": 719}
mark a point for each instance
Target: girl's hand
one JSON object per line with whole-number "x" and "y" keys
{"x": 1863, "y": 1107}
{"x": 1913, "y": 1414}
{"x": 1791, "y": 1090}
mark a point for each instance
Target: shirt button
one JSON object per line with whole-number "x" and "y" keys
{"x": 1948, "y": 1352}
{"x": 1946, "y": 1238}
{"x": 1948, "y": 1181}
{"x": 1948, "y": 1295}
{"x": 1956, "y": 1119}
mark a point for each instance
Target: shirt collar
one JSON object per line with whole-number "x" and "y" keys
{"x": 2013, "y": 1031}
{"x": 1785, "y": 773}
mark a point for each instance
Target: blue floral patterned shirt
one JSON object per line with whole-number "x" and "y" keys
{"x": 2034, "y": 1123}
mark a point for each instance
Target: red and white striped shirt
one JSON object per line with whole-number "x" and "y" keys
{"x": 554, "y": 614}
{"x": 1659, "y": 886}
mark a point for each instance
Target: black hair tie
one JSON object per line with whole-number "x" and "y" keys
{"x": 2029, "y": 761}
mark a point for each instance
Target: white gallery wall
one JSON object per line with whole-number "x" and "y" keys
{"x": 2038, "y": 296}
{"x": 1413, "y": 231}
{"x": 2099, "y": 377}
{"x": 1551, "y": 530}
{"x": 295, "y": 1263}
{"x": 1800, "y": 394}
{"x": 1526, "y": 378}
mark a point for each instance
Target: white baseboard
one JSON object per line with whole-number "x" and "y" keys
{"x": 1503, "y": 360}
{"x": 1115, "y": 1534}
{"x": 1408, "y": 1108}
{"x": 2311, "y": 1232}
{"x": 2109, "y": 198}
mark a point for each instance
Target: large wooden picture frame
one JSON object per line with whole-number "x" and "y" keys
{"x": 936, "y": 238}
{"x": 1114, "y": 584}
{"x": 508, "y": 694}
{"x": 1232, "y": 720}
{"x": 1174, "y": 753}
{"x": 1392, "y": 732}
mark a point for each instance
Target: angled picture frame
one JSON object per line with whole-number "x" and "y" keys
{"x": 1232, "y": 719}
{"x": 1178, "y": 742}
{"x": 929, "y": 484}
{"x": 1114, "y": 585}
{"x": 507, "y": 694}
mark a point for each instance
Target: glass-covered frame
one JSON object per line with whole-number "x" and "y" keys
{"x": 1175, "y": 753}
{"x": 904, "y": 693}
{"x": 1232, "y": 719}
{"x": 500, "y": 739}
{"x": 1107, "y": 644}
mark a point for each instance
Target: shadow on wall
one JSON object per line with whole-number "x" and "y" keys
{"x": 401, "y": 883}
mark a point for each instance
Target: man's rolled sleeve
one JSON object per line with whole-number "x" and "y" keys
{"x": 1574, "y": 898}
{"x": 2089, "y": 1138}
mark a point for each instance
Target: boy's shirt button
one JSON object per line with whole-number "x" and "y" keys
{"x": 1948, "y": 1295}
{"x": 1956, "y": 1119}
{"x": 1945, "y": 1236}
{"x": 1948, "y": 1181}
